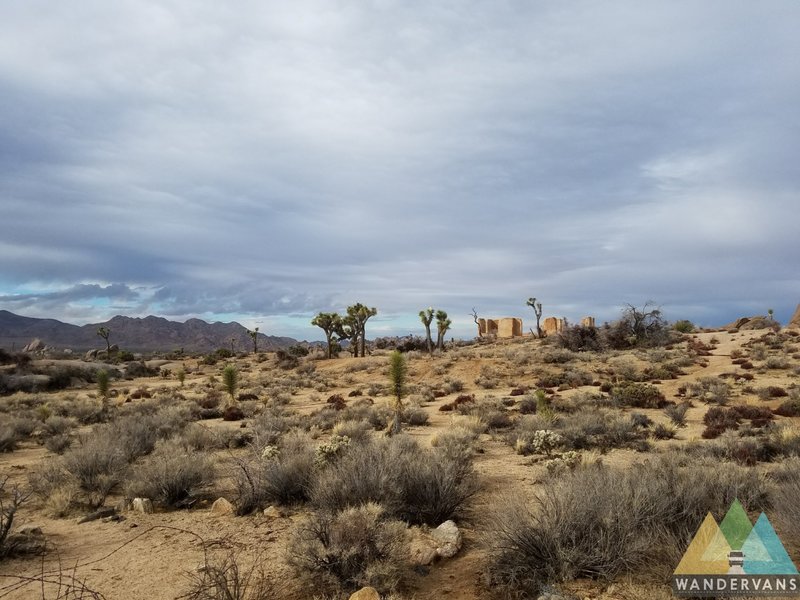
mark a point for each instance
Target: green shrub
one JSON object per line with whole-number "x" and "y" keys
{"x": 683, "y": 326}
{"x": 638, "y": 395}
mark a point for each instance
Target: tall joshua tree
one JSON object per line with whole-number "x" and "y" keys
{"x": 442, "y": 325}
{"x": 359, "y": 315}
{"x": 254, "y": 336}
{"x": 348, "y": 330}
{"x": 330, "y": 323}
{"x": 426, "y": 316}
{"x": 537, "y": 310}
{"x": 398, "y": 370}
{"x": 105, "y": 333}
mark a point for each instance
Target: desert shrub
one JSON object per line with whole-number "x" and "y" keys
{"x": 356, "y": 431}
{"x": 576, "y": 378}
{"x": 453, "y": 386}
{"x": 377, "y": 416}
{"x": 488, "y": 378}
{"x": 233, "y": 413}
{"x": 641, "y": 420}
{"x": 415, "y": 415}
{"x": 97, "y": 467}
{"x": 758, "y": 351}
{"x": 683, "y": 326}
{"x": 574, "y": 527}
{"x": 527, "y": 406}
{"x": 637, "y": 327}
{"x": 9, "y": 438}
{"x": 171, "y": 475}
{"x": 359, "y": 546}
{"x": 57, "y": 425}
{"x": 602, "y": 430}
{"x": 777, "y": 362}
{"x": 140, "y": 369}
{"x": 457, "y": 442}
{"x": 785, "y": 508}
{"x": 709, "y": 389}
{"x": 413, "y": 484}
{"x": 494, "y": 417}
{"x": 226, "y": 579}
{"x": 624, "y": 368}
{"x": 269, "y": 426}
{"x": 280, "y": 477}
{"x": 677, "y": 413}
{"x": 638, "y": 395}
{"x": 58, "y": 443}
{"x": 24, "y": 426}
{"x": 771, "y": 391}
{"x": 718, "y": 420}
{"x": 789, "y": 408}
{"x": 664, "y": 432}
{"x": 557, "y": 356}
{"x": 337, "y": 401}
{"x": 579, "y": 338}
{"x": 754, "y": 413}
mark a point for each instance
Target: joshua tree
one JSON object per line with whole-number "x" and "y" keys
{"x": 348, "y": 330}
{"x": 330, "y": 323}
{"x": 230, "y": 378}
{"x": 426, "y": 316}
{"x": 442, "y": 325}
{"x": 105, "y": 333}
{"x": 233, "y": 341}
{"x": 181, "y": 374}
{"x": 103, "y": 386}
{"x": 359, "y": 315}
{"x": 537, "y": 310}
{"x": 397, "y": 378}
{"x": 771, "y": 314}
{"x": 254, "y": 335}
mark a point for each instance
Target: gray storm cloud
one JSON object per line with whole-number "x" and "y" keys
{"x": 270, "y": 159}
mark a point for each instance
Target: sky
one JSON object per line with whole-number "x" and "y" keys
{"x": 262, "y": 161}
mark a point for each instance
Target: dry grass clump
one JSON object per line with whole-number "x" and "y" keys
{"x": 227, "y": 579}
{"x": 411, "y": 483}
{"x": 575, "y": 527}
{"x": 347, "y": 549}
{"x": 171, "y": 476}
{"x": 280, "y": 474}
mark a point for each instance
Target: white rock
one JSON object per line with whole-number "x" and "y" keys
{"x": 142, "y": 505}
{"x": 448, "y": 539}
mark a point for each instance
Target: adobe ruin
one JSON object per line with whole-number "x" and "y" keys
{"x": 506, "y": 327}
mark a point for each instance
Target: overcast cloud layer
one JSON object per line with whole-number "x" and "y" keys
{"x": 262, "y": 161}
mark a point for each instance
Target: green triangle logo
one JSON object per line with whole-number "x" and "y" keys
{"x": 736, "y": 526}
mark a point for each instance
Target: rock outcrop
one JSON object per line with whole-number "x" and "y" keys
{"x": 794, "y": 322}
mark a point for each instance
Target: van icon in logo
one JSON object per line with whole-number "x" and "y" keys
{"x": 736, "y": 558}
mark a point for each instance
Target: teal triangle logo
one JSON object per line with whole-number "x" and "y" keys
{"x": 764, "y": 553}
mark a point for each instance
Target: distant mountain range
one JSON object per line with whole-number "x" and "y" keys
{"x": 134, "y": 334}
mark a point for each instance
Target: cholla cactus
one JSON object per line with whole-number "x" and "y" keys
{"x": 566, "y": 462}
{"x": 270, "y": 452}
{"x": 327, "y": 453}
{"x": 545, "y": 441}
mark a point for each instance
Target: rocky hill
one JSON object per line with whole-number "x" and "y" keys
{"x": 134, "y": 334}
